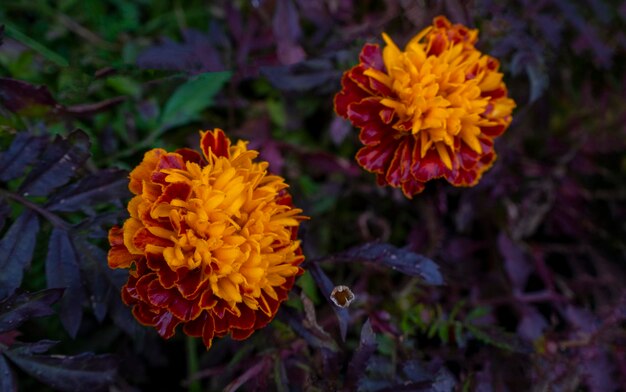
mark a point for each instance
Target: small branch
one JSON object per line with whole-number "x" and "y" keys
{"x": 52, "y": 218}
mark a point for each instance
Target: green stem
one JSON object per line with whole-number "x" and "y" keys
{"x": 192, "y": 365}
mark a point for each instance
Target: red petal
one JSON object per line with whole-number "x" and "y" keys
{"x": 190, "y": 155}
{"x": 412, "y": 187}
{"x": 387, "y": 115}
{"x": 158, "y": 295}
{"x": 371, "y": 56}
{"x": 119, "y": 257}
{"x": 493, "y": 131}
{"x": 145, "y": 314}
{"x": 241, "y": 334}
{"x": 116, "y": 236}
{"x": 246, "y": 320}
{"x": 350, "y": 93}
{"x": 208, "y": 300}
{"x": 399, "y": 169}
{"x": 215, "y": 142}
{"x": 184, "y": 309}
{"x": 156, "y": 262}
{"x": 177, "y": 190}
{"x": 142, "y": 286}
{"x": 129, "y": 294}
{"x": 208, "y": 331}
{"x": 363, "y": 82}
{"x": 221, "y": 325}
{"x": 372, "y": 133}
{"x": 377, "y": 158}
{"x": 195, "y": 327}
{"x": 165, "y": 324}
{"x": 167, "y": 161}
{"x": 192, "y": 283}
{"x": 429, "y": 167}
{"x": 143, "y": 237}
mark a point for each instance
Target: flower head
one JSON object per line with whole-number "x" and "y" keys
{"x": 429, "y": 111}
{"x": 210, "y": 242}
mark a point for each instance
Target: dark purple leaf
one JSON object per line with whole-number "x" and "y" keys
{"x": 196, "y": 54}
{"x": 415, "y": 372}
{"x": 103, "y": 283}
{"x": 326, "y": 287}
{"x": 532, "y": 325}
{"x": 16, "y": 251}
{"x": 7, "y": 378}
{"x": 5, "y": 211}
{"x": 62, "y": 270}
{"x": 89, "y": 109}
{"x": 21, "y": 307}
{"x": 100, "y": 187}
{"x": 339, "y": 129}
{"x": 598, "y": 369}
{"x": 603, "y": 54}
{"x": 295, "y": 322}
{"x": 57, "y": 165}
{"x": 24, "y": 150}
{"x": 307, "y": 75}
{"x": 39, "y": 347}
{"x": 387, "y": 255}
{"x": 261, "y": 366}
{"x": 83, "y": 372}
{"x": 361, "y": 357}
{"x": 19, "y": 97}
{"x": 444, "y": 381}
{"x": 286, "y": 28}
{"x": 517, "y": 265}
{"x": 582, "y": 319}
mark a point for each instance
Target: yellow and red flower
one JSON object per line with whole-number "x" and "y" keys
{"x": 430, "y": 111}
{"x": 210, "y": 242}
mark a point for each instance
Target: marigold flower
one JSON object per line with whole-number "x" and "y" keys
{"x": 429, "y": 111}
{"x": 210, "y": 242}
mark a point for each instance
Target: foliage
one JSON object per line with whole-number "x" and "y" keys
{"x": 514, "y": 284}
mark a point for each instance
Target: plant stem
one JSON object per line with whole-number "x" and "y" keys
{"x": 192, "y": 365}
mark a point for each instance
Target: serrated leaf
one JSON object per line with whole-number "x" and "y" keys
{"x": 307, "y": 75}
{"x": 21, "y": 307}
{"x": 103, "y": 283}
{"x": 62, "y": 270}
{"x": 196, "y": 54}
{"x": 16, "y": 251}
{"x": 192, "y": 97}
{"x": 398, "y": 259}
{"x": 105, "y": 185}
{"x": 22, "y": 97}
{"x": 83, "y": 372}
{"x": 362, "y": 355}
{"x": 58, "y": 164}
{"x": 7, "y": 378}
{"x": 23, "y": 151}
{"x": 39, "y": 347}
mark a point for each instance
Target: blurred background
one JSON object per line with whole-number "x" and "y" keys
{"x": 533, "y": 258}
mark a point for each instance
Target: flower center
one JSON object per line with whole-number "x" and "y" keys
{"x": 231, "y": 226}
{"x": 437, "y": 97}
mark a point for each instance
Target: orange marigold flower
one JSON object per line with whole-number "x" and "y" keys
{"x": 429, "y": 111}
{"x": 210, "y": 242}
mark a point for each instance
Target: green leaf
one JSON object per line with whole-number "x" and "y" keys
{"x": 36, "y": 46}
{"x": 192, "y": 97}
